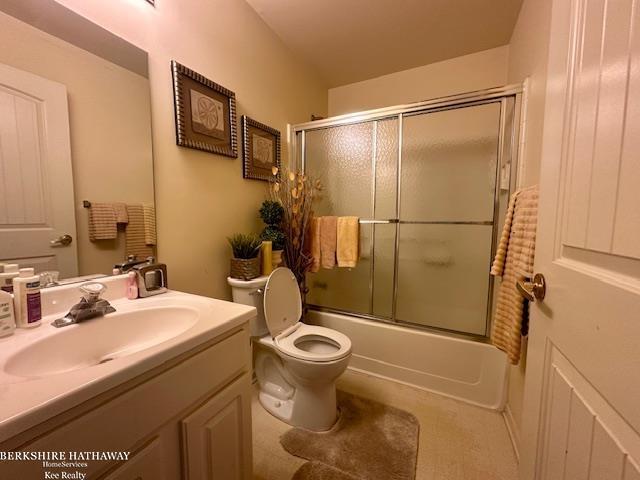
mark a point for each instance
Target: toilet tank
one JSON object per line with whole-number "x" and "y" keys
{"x": 246, "y": 293}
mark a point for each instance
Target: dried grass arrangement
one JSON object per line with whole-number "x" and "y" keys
{"x": 296, "y": 193}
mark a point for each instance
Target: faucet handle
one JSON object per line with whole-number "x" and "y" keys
{"x": 91, "y": 291}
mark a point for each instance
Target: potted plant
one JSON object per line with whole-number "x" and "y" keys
{"x": 245, "y": 263}
{"x": 271, "y": 213}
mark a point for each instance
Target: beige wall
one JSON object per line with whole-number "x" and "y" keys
{"x": 458, "y": 75}
{"x": 528, "y": 59}
{"x": 201, "y": 198}
{"x": 111, "y": 155}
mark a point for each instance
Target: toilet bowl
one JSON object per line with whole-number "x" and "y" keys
{"x": 296, "y": 364}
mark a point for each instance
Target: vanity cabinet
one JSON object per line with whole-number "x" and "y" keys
{"x": 189, "y": 418}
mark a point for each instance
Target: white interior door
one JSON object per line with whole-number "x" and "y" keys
{"x": 36, "y": 183}
{"x": 582, "y": 394}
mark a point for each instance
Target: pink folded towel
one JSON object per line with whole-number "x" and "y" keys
{"x": 313, "y": 236}
{"x": 328, "y": 241}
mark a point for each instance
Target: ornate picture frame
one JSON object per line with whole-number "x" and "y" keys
{"x": 205, "y": 113}
{"x": 261, "y": 147}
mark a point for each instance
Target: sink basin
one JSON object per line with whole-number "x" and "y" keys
{"x": 45, "y": 371}
{"x": 100, "y": 340}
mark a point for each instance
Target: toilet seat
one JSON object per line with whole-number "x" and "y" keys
{"x": 282, "y": 312}
{"x": 320, "y": 344}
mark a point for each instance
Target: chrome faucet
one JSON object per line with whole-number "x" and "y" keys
{"x": 89, "y": 306}
{"x": 151, "y": 278}
{"x": 132, "y": 261}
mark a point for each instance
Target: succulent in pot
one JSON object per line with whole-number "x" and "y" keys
{"x": 245, "y": 264}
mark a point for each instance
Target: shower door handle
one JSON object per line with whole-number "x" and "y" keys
{"x": 534, "y": 290}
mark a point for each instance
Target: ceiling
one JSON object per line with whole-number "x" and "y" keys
{"x": 348, "y": 41}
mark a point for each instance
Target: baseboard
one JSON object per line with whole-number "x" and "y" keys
{"x": 512, "y": 429}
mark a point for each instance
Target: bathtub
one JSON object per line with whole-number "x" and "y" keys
{"x": 473, "y": 372}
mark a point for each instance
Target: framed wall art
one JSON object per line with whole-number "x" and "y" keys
{"x": 205, "y": 113}
{"x": 260, "y": 150}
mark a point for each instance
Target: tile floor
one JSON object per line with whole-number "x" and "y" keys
{"x": 457, "y": 441}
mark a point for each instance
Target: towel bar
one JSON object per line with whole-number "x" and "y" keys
{"x": 391, "y": 220}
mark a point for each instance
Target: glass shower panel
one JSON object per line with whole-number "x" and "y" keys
{"x": 344, "y": 288}
{"x": 341, "y": 158}
{"x": 443, "y": 276}
{"x": 383, "y": 270}
{"x": 449, "y": 163}
{"x": 386, "y": 187}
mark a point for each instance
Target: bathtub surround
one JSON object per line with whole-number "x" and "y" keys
{"x": 473, "y": 372}
{"x": 355, "y": 445}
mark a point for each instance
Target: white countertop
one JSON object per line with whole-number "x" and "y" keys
{"x": 28, "y": 401}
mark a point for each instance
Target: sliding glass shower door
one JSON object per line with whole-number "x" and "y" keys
{"x": 428, "y": 185}
{"x": 447, "y": 202}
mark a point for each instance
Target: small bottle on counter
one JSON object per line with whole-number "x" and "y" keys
{"x": 7, "y": 318}
{"x": 26, "y": 299}
{"x": 132, "y": 286}
{"x": 6, "y": 277}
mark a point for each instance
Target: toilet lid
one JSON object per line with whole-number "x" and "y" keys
{"x": 282, "y": 301}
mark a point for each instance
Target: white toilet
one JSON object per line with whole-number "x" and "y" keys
{"x": 296, "y": 364}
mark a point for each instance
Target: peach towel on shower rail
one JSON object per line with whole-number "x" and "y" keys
{"x": 514, "y": 262}
{"x": 328, "y": 241}
{"x": 313, "y": 236}
{"x": 348, "y": 243}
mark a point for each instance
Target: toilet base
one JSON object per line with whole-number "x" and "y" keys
{"x": 314, "y": 410}
{"x": 298, "y": 392}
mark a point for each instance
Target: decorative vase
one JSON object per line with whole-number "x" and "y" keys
{"x": 245, "y": 268}
{"x": 276, "y": 258}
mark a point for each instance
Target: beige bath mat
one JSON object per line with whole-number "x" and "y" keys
{"x": 320, "y": 471}
{"x": 370, "y": 441}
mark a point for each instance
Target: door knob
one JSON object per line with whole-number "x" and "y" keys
{"x": 62, "y": 241}
{"x": 534, "y": 290}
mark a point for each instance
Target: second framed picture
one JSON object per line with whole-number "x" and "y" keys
{"x": 261, "y": 150}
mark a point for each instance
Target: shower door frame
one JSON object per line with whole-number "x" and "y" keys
{"x": 512, "y": 150}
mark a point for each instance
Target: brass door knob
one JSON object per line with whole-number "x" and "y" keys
{"x": 62, "y": 241}
{"x": 534, "y": 290}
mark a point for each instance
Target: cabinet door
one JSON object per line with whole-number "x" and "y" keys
{"x": 143, "y": 465}
{"x": 217, "y": 437}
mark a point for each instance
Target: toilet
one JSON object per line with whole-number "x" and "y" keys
{"x": 296, "y": 364}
